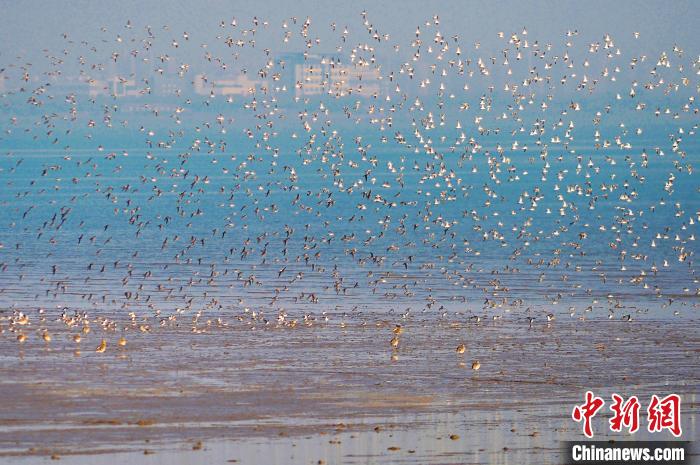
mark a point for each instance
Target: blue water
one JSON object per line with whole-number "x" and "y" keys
{"x": 137, "y": 227}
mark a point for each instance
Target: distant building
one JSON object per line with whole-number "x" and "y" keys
{"x": 125, "y": 87}
{"x": 284, "y": 79}
{"x": 241, "y": 85}
{"x": 97, "y": 87}
{"x": 167, "y": 87}
{"x": 306, "y": 75}
{"x": 116, "y": 87}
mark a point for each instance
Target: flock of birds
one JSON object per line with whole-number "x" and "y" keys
{"x": 469, "y": 183}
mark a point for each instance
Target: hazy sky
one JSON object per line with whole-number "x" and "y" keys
{"x": 28, "y": 26}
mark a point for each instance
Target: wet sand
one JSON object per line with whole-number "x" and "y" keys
{"x": 325, "y": 393}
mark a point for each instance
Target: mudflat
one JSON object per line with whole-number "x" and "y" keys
{"x": 333, "y": 392}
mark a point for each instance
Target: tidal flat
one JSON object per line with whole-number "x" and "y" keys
{"x": 335, "y": 393}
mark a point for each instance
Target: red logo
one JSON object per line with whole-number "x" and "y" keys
{"x": 665, "y": 414}
{"x": 587, "y": 411}
{"x": 661, "y": 413}
{"x": 626, "y": 414}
